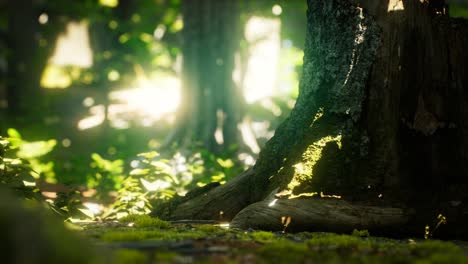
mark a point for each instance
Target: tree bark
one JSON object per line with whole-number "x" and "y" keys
{"x": 380, "y": 121}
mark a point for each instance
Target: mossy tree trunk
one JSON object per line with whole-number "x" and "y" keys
{"x": 379, "y": 122}
{"x": 210, "y": 99}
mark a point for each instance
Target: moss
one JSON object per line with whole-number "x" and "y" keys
{"x": 430, "y": 247}
{"x": 284, "y": 252}
{"x": 209, "y": 228}
{"x": 141, "y": 235}
{"x": 361, "y": 233}
{"x": 267, "y": 247}
{"x": 263, "y": 236}
{"x": 145, "y": 221}
{"x": 125, "y": 256}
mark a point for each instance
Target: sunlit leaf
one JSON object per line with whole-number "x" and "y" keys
{"x": 156, "y": 185}
{"x": 36, "y": 149}
{"x": 87, "y": 212}
{"x": 29, "y": 184}
{"x": 225, "y": 163}
{"x": 149, "y": 155}
{"x": 139, "y": 171}
{"x": 13, "y": 133}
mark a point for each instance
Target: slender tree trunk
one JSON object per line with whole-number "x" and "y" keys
{"x": 210, "y": 100}
{"x": 378, "y": 128}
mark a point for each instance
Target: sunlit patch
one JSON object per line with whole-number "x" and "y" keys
{"x": 285, "y": 221}
{"x": 155, "y": 185}
{"x": 29, "y": 184}
{"x": 248, "y": 136}
{"x": 247, "y": 159}
{"x": 93, "y": 207}
{"x": 109, "y": 3}
{"x": 218, "y": 134}
{"x": 76, "y": 39}
{"x": 153, "y": 143}
{"x": 124, "y": 38}
{"x": 134, "y": 163}
{"x": 50, "y": 195}
{"x": 263, "y": 34}
{"x": 322, "y": 195}
{"x": 152, "y": 98}
{"x": 97, "y": 117}
{"x": 272, "y": 203}
{"x": 113, "y": 76}
{"x": 43, "y": 18}
{"x": 178, "y": 25}
{"x": 395, "y": 5}
{"x": 55, "y": 77}
{"x": 271, "y": 106}
{"x": 277, "y": 10}
{"x": 159, "y": 31}
{"x": 304, "y": 170}
{"x": 88, "y": 102}
{"x": 224, "y": 225}
{"x": 66, "y": 142}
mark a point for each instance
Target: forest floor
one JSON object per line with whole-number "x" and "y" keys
{"x": 147, "y": 240}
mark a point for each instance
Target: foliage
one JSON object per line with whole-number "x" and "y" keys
{"x": 33, "y": 151}
{"x": 16, "y": 173}
{"x": 131, "y": 200}
{"x": 106, "y": 175}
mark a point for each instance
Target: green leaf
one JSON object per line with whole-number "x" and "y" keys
{"x": 13, "y": 133}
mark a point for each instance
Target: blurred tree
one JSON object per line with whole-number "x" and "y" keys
{"x": 210, "y": 100}
{"x": 24, "y": 66}
{"x": 380, "y": 119}
{"x": 32, "y": 30}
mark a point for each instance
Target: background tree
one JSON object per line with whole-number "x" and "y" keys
{"x": 30, "y": 40}
{"x": 210, "y": 100}
{"x": 377, "y": 116}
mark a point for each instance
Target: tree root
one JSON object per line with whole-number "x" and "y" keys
{"x": 319, "y": 215}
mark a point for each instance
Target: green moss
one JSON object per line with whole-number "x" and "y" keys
{"x": 430, "y": 247}
{"x": 209, "y": 228}
{"x": 361, "y": 233}
{"x": 284, "y": 251}
{"x": 263, "y": 237}
{"x": 125, "y": 256}
{"x": 342, "y": 242}
{"x": 145, "y": 221}
{"x": 141, "y": 235}
{"x": 267, "y": 247}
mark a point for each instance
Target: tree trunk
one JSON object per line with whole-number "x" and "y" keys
{"x": 210, "y": 100}
{"x": 379, "y": 122}
{"x": 29, "y": 50}
{"x": 23, "y": 78}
